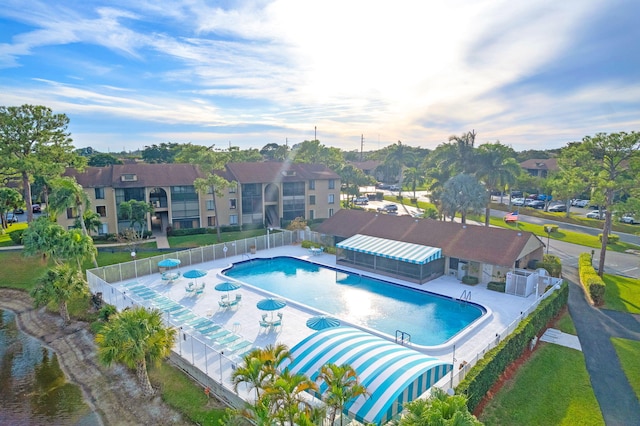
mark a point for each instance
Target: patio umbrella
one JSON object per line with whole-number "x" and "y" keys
{"x": 321, "y": 322}
{"x": 271, "y": 304}
{"x": 195, "y": 273}
{"x": 169, "y": 263}
{"x": 227, "y": 286}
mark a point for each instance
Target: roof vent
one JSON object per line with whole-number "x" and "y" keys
{"x": 288, "y": 173}
{"x": 128, "y": 177}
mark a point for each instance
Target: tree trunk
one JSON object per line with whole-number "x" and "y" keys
{"x": 605, "y": 232}
{"x": 215, "y": 212}
{"x": 143, "y": 378}
{"x": 27, "y": 196}
{"x": 64, "y": 312}
{"x": 86, "y": 233}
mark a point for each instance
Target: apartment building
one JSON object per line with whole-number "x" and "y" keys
{"x": 266, "y": 193}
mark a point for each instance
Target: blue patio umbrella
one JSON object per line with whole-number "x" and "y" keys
{"x": 321, "y": 322}
{"x": 227, "y": 286}
{"x": 169, "y": 263}
{"x": 271, "y": 304}
{"x": 195, "y": 273}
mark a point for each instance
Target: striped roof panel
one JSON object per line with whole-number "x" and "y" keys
{"x": 398, "y": 250}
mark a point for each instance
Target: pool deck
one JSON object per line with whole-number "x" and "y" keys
{"x": 241, "y": 330}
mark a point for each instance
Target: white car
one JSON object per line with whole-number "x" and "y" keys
{"x": 629, "y": 219}
{"x": 595, "y": 214}
{"x": 361, "y": 201}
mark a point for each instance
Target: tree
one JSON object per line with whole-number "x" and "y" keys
{"x": 463, "y": 193}
{"x": 42, "y": 237}
{"x": 414, "y": 177}
{"x": 67, "y": 193}
{"x": 102, "y": 160}
{"x": 398, "y": 157}
{"x": 136, "y": 213}
{"x": 497, "y": 169}
{"x": 313, "y": 152}
{"x": 10, "y": 199}
{"x": 59, "y": 285}
{"x": 163, "y": 153}
{"x": 275, "y": 152}
{"x": 209, "y": 162}
{"x": 286, "y": 393}
{"x": 351, "y": 178}
{"x": 573, "y": 177}
{"x": 75, "y": 246}
{"x": 91, "y": 220}
{"x": 342, "y": 386}
{"x": 615, "y": 158}
{"x": 135, "y": 337}
{"x": 34, "y": 142}
{"x": 439, "y": 409}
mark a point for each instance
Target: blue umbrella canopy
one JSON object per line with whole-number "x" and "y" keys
{"x": 168, "y": 263}
{"x": 271, "y": 304}
{"x": 321, "y": 322}
{"x": 227, "y": 286}
{"x": 195, "y": 273}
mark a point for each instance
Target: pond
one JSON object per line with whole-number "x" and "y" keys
{"x": 33, "y": 388}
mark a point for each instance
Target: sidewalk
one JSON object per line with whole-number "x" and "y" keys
{"x": 162, "y": 242}
{"x": 595, "y": 328}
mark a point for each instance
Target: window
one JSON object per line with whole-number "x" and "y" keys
{"x": 290, "y": 189}
{"x": 233, "y": 188}
{"x": 71, "y": 214}
{"x": 233, "y": 203}
{"x": 312, "y": 214}
{"x": 99, "y": 193}
{"x": 103, "y": 229}
{"x": 102, "y": 211}
{"x": 312, "y": 200}
{"x": 330, "y": 212}
{"x": 128, "y": 177}
{"x": 211, "y": 221}
{"x": 233, "y": 219}
{"x": 312, "y": 184}
{"x": 331, "y": 198}
{"x": 332, "y": 184}
{"x": 210, "y": 205}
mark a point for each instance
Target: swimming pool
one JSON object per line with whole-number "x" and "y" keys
{"x": 429, "y": 318}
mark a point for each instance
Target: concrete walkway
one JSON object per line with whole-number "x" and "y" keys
{"x": 595, "y": 328}
{"x": 161, "y": 240}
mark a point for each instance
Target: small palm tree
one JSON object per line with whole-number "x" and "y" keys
{"x": 342, "y": 387}
{"x": 59, "y": 285}
{"x": 286, "y": 393}
{"x": 135, "y": 337}
{"x": 439, "y": 409}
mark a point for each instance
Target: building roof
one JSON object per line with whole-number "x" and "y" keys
{"x": 550, "y": 164}
{"x": 496, "y": 246}
{"x": 146, "y": 175}
{"x": 391, "y": 249}
{"x": 273, "y": 171}
{"x": 392, "y": 374}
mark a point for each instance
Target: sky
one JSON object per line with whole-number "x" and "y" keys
{"x": 355, "y": 74}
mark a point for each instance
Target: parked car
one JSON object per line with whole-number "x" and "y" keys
{"x": 388, "y": 208}
{"x": 394, "y": 188}
{"x": 36, "y": 208}
{"x": 536, "y": 204}
{"x": 517, "y": 201}
{"x": 361, "y": 201}
{"x": 628, "y": 219}
{"x": 11, "y": 217}
{"x": 381, "y": 185}
{"x": 558, "y": 208}
{"x": 19, "y": 210}
{"x": 580, "y": 203}
{"x": 596, "y": 214}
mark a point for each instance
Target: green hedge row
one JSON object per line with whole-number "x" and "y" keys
{"x": 613, "y": 238}
{"x": 552, "y": 264}
{"x": 496, "y": 286}
{"x": 470, "y": 280}
{"x": 590, "y": 279}
{"x": 487, "y": 371}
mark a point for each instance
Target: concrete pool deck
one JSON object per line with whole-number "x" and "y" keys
{"x": 243, "y": 319}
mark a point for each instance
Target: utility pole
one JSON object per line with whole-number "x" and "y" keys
{"x": 315, "y": 134}
{"x": 361, "y": 146}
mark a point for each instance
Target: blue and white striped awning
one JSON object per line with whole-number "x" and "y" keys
{"x": 398, "y": 250}
{"x": 392, "y": 374}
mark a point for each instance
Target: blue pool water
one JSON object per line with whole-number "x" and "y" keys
{"x": 430, "y": 319}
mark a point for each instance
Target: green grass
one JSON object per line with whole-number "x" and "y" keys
{"x": 628, "y": 351}
{"x": 565, "y": 324}
{"x": 189, "y": 241}
{"x": 184, "y": 395}
{"x": 622, "y": 294}
{"x": 552, "y": 388}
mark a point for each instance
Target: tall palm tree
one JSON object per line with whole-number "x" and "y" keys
{"x": 67, "y": 193}
{"x": 457, "y": 155}
{"x": 398, "y": 157}
{"x": 497, "y": 169}
{"x": 135, "y": 337}
{"x": 342, "y": 387}
{"x": 287, "y": 395}
{"x": 252, "y": 371}
{"x": 43, "y": 237}
{"x": 59, "y": 285}
{"x": 414, "y": 177}
{"x": 75, "y": 247}
{"x": 463, "y": 193}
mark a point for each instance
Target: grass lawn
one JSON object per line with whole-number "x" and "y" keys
{"x": 184, "y": 395}
{"x": 628, "y": 351}
{"x": 189, "y": 241}
{"x": 622, "y": 294}
{"x": 552, "y": 388}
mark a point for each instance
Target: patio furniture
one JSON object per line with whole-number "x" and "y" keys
{"x": 190, "y": 288}
{"x": 315, "y": 251}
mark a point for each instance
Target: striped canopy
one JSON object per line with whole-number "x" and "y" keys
{"x": 391, "y": 249}
{"x": 392, "y": 374}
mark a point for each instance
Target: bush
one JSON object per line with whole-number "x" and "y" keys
{"x": 590, "y": 279}
{"x": 550, "y": 228}
{"x": 613, "y": 238}
{"x": 496, "y": 286}
{"x": 552, "y": 265}
{"x": 471, "y": 280}
{"x": 16, "y": 236}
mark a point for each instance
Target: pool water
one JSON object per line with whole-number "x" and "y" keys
{"x": 430, "y": 319}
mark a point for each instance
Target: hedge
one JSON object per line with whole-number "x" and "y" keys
{"x": 469, "y": 279}
{"x": 613, "y": 238}
{"x": 496, "y": 286}
{"x": 590, "y": 279}
{"x": 487, "y": 371}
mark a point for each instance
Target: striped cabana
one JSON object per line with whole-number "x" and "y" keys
{"x": 407, "y": 260}
{"x": 392, "y": 374}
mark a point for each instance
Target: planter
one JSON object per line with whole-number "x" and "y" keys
{"x": 252, "y": 249}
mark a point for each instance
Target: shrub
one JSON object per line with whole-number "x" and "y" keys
{"x": 471, "y": 280}
{"x": 550, "y": 228}
{"x": 496, "y": 286}
{"x": 552, "y": 265}
{"x": 590, "y": 280}
{"x": 16, "y": 236}
{"x": 613, "y": 238}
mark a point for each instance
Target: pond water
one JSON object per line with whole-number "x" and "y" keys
{"x": 33, "y": 389}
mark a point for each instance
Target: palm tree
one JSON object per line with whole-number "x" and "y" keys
{"x": 42, "y": 237}
{"x": 397, "y": 159}
{"x": 59, "y": 285}
{"x": 134, "y": 337}
{"x": 458, "y": 155}
{"x": 464, "y": 194}
{"x": 342, "y": 386}
{"x": 414, "y": 177}
{"x": 91, "y": 221}
{"x": 286, "y": 392}
{"x": 497, "y": 169}
{"x": 439, "y": 409}
{"x": 251, "y": 371}
{"x": 75, "y": 246}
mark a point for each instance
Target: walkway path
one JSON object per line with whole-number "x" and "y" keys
{"x": 595, "y": 328}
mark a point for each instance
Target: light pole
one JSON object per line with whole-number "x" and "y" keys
{"x": 221, "y": 353}
{"x": 269, "y": 229}
{"x": 548, "y": 230}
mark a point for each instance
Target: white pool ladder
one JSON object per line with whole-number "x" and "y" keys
{"x": 465, "y": 296}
